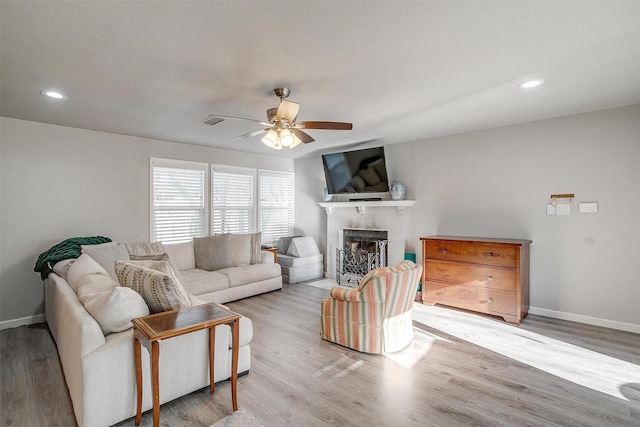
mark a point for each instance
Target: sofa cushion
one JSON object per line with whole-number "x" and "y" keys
{"x": 145, "y": 248}
{"x": 111, "y": 305}
{"x": 182, "y": 254}
{"x": 303, "y": 247}
{"x": 256, "y": 249}
{"x": 83, "y": 266}
{"x": 240, "y": 245}
{"x": 239, "y": 276}
{"x": 159, "y": 289}
{"x": 213, "y": 252}
{"x": 198, "y": 282}
{"x": 291, "y": 261}
{"x": 107, "y": 255}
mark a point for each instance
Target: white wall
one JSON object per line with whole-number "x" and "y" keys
{"x": 497, "y": 182}
{"x": 58, "y": 182}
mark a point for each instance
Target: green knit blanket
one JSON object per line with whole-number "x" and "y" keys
{"x": 69, "y": 248}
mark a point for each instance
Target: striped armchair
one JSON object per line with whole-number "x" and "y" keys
{"x": 375, "y": 317}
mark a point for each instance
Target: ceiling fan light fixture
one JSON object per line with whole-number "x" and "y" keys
{"x": 295, "y": 143}
{"x": 286, "y": 138}
{"x": 270, "y": 139}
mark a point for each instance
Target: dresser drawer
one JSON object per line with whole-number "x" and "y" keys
{"x": 470, "y": 298}
{"x": 472, "y": 252}
{"x": 472, "y": 275}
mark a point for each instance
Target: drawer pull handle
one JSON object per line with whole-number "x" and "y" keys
{"x": 441, "y": 293}
{"x": 489, "y": 301}
{"x": 444, "y": 251}
{"x": 444, "y": 272}
{"x": 490, "y": 278}
{"x": 490, "y": 254}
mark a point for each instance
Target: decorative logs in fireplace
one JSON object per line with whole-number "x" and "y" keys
{"x": 362, "y": 251}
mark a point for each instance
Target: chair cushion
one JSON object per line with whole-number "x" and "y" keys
{"x": 303, "y": 247}
{"x": 291, "y": 261}
{"x": 283, "y": 244}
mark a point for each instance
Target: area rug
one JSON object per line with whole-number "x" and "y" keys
{"x": 240, "y": 418}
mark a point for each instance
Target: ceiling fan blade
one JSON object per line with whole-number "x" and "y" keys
{"x": 288, "y": 111}
{"x": 214, "y": 119}
{"x": 324, "y": 125}
{"x": 303, "y": 137}
{"x": 254, "y": 133}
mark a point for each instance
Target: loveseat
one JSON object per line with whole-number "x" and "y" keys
{"x": 89, "y": 317}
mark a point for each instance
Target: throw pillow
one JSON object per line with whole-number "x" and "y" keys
{"x": 256, "y": 249}
{"x": 113, "y": 306}
{"x": 158, "y": 289}
{"x": 145, "y": 248}
{"x": 83, "y": 266}
{"x": 240, "y": 245}
{"x": 213, "y": 252}
{"x": 61, "y": 268}
{"x": 165, "y": 267}
{"x": 161, "y": 257}
{"x": 107, "y": 256}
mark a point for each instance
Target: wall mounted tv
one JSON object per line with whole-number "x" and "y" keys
{"x": 359, "y": 171}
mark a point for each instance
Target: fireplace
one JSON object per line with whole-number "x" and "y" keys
{"x": 385, "y": 215}
{"x": 362, "y": 251}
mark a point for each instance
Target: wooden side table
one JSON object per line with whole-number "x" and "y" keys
{"x": 149, "y": 330}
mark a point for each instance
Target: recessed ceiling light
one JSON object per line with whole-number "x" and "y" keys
{"x": 530, "y": 84}
{"x": 53, "y": 94}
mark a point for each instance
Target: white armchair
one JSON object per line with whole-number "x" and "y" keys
{"x": 300, "y": 259}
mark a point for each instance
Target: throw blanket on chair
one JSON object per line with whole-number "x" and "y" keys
{"x": 69, "y": 248}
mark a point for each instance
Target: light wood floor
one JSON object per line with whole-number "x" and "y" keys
{"x": 297, "y": 379}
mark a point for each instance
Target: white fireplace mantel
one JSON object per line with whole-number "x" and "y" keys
{"x": 361, "y": 205}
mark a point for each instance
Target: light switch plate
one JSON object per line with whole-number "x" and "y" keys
{"x": 588, "y": 207}
{"x": 563, "y": 209}
{"x": 551, "y": 210}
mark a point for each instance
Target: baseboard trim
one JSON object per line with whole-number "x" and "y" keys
{"x": 29, "y": 320}
{"x": 596, "y": 321}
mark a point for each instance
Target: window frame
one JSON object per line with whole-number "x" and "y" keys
{"x": 177, "y": 164}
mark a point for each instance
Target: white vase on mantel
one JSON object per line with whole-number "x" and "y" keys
{"x": 398, "y": 190}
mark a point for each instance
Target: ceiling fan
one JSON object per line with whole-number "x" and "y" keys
{"x": 281, "y": 127}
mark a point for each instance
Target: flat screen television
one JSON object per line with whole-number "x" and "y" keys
{"x": 356, "y": 172}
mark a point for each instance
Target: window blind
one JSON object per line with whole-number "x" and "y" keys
{"x": 275, "y": 205}
{"x": 232, "y": 200}
{"x": 178, "y": 200}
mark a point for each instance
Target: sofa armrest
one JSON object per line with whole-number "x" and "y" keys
{"x": 73, "y": 328}
{"x": 267, "y": 257}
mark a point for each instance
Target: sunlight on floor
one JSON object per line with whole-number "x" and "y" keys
{"x": 587, "y": 368}
{"x": 410, "y": 355}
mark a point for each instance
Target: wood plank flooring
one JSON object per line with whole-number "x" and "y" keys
{"x": 297, "y": 379}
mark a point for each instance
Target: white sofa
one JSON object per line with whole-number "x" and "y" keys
{"x": 99, "y": 370}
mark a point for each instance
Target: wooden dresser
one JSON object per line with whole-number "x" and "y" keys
{"x": 480, "y": 274}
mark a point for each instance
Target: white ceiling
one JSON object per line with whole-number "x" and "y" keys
{"x": 398, "y": 70}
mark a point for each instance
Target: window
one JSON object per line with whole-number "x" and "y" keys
{"x": 275, "y": 205}
{"x": 233, "y": 202}
{"x": 178, "y": 208}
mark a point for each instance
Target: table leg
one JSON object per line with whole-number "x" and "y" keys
{"x": 234, "y": 363}
{"x": 138, "y": 361}
{"x": 155, "y": 383}
{"x": 212, "y": 343}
